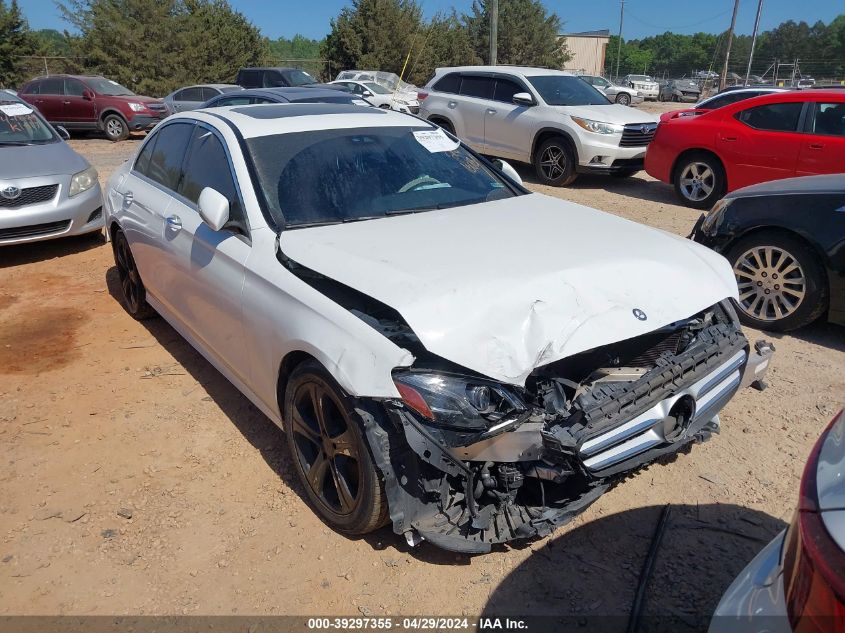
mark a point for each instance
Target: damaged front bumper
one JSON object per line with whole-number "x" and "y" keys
{"x": 542, "y": 469}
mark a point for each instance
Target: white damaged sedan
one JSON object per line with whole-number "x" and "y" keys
{"x": 444, "y": 350}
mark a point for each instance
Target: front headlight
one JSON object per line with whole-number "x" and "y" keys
{"x": 136, "y": 107}
{"x": 459, "y": 402}
{"x": 714, "y": 217}
{"x": 82, "y": 181}
{"x": 598, "y": 127}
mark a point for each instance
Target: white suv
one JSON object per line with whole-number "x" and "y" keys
{"x": 549, "y": 118}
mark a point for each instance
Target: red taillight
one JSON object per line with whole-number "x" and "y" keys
{"x": 422, "y": 95}
{"x": 413, "y": 399}
{"x": 813, "y": 564}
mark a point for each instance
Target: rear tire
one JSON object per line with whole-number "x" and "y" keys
{"x": 699, "y": 180}
{"x": 133, "y": 293}
{"x": 115, "y": 128}
{"x": 331, "y": 456}
{"x": 782, "y": 284}
{"x": 554, "y": 162}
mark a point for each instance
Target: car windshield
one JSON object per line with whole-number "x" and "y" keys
{"x": 640, "y": 77}
{"x": 333, "y": 176}
{"x": 104, "y": 86}
{"x": 299, "y": 78}
{"x": 20, "y": 125}
{"x": 562, "y": 90}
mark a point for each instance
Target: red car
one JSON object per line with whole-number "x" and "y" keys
{"x": 92, "y": 103}
{"x": 765, "y": 138}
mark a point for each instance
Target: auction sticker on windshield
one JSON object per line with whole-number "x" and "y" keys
{"x": 15, "y": 109}
{"x": 435, "y": 141}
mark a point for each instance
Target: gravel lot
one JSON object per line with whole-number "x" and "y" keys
{"x": 137, "y": 480}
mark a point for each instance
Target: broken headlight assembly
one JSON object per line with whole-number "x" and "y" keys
{"x": 713, "y": 218}
{"x": 458, "y": 402}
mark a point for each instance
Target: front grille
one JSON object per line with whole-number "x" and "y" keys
{"x": 157, "y": 107}
{"x": 637, "y": 134}
{"x": 30, "y": 195}
{"x": 34, "y": 230}
{"x": 649, "y": 358}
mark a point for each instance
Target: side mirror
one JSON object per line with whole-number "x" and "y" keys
{"x": 213, "y": 208}
{"x": 523, "y": 99}
{"x": 62, "y": 131}
{"x": 88, "y": 95}
{"x": 367, "y": 93}
{"x": 507, "y": 169}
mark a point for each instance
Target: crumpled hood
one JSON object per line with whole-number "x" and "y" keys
{"x": 610, "y": 113}
{"x": 28, "y": 161}
{"x": 507, "y": 286}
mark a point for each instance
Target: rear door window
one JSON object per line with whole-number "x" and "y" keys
{"x": 773, "y": 117}
{"x": 450, "y": 83}
{"x": 190, "y": 94}
{"x": 53, "y": 86}
{"x": 828, "y": 119}
{"x": 250, "y": 78}
{"x": 142, "y": 163}
{"x": 33, "y": 88}
{"x": 208, "y": 93}
{"x": 475, "y": 86}
{"x": 166, "y": 160}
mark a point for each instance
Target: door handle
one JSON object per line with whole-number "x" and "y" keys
{"x": 174, "y": 222}
{"x": 816, "y": 146}
{"x": 128, "y": 198}
{"x": 66, "y": 102}
{"x": 729, "y": 139}
{"x": 491, "y": 111}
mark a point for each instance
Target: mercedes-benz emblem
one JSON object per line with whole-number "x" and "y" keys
{"x": 11, "y": 192}
{"x": 639, "y": 314}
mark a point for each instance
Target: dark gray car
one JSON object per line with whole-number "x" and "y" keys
{"x": 686, "y": 90}
{"x": 285, "y": 95}
{"x": 192, "y": 97}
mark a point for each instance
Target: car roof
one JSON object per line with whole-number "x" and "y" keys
{"x": 284, "y": 118}
{"x": 271, "y": 68}
{"x": 828, "y": 183}
{"x": 527, "y": 71}
{"x": 290, "y": 93}
{"x": 209, "y": 86}
{"x": 786, "y": 96}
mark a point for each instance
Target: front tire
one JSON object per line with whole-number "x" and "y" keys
{"x": 133, "y": 292}
{"x": 330, "y": 453}
{"x": 115, "y": 128}
{"x": 623, "y": 98}
{"x": 782, "y": 284}
{"x": 554, "y": 162}
{"x": 699, "y": 180}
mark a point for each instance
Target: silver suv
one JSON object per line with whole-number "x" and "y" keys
{"x": 618, "y": 94}
{"x": 549, "y": 118}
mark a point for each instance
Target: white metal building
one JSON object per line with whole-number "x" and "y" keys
{"x": 587, "y": 51}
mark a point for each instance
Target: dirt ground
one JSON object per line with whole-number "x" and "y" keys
{"x": 137, "y": 480}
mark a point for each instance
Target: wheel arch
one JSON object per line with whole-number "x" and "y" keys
{"x": 435, "y": 118}
{"x": 112, "y": 110}
{"x": 287, "y": 365}
{"x": 698, "y": 150}
{"x": 799, "y": 236}
{"x": 543, "y": 134}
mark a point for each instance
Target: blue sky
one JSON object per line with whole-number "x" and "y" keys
{"x": 642, "y": 17}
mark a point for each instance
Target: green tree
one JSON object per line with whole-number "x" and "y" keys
{"x": 155, "y": 46}
{"x": 216, "y": 42}
{"x": 527, "y": 35}
{"x": 299, "y": 47}
{"x": 16, "y": 41}
{"x": 446, "y": 42}
{"x": 374, "y": 35}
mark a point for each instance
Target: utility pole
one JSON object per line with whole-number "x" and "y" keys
{"x": 494, "y": 30}
{"x": 753, "y": 40}
{"x": 730, "y": 43}
{"x": 619, "y": 48}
